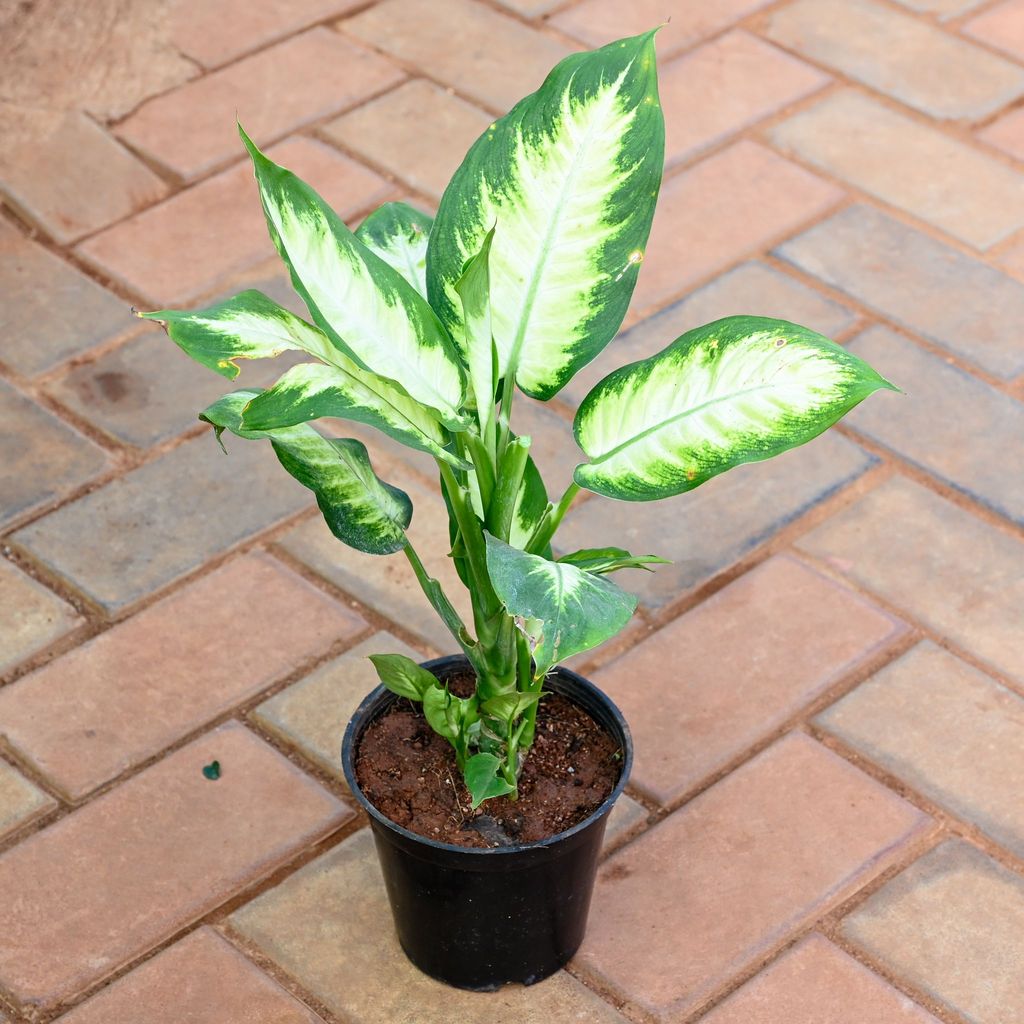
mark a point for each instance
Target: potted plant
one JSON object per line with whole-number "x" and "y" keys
{"x": 425, "y": 330}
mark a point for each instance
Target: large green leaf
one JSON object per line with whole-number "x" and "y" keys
{"x": 398, "y": 234}
{"x": 737, "y": 390}
{"x": 361, "y": 303}
{"x": 569, "y": 178}
{"x": 576, "y": 609}
{"x": 359, "y": 508}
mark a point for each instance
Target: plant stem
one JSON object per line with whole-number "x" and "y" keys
{"x": 510, "y": 478}
{"x": 551, "y": 520}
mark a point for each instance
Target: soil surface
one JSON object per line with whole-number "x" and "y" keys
{"x": 409, "y": 773}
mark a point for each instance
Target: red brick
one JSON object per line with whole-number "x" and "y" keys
{"x": 124, "y": 696}
{"x": 1001, "y": 26}
{"x": 729, "y": 878}
{"x": 271, "y": 93}
{"x": 128, "y": 870}
{"x": 1007, "y": 133}
{"x": 728, "y": 206}
{"x": 197, "y": 240}
{"x": 703, "y": 689}
{"x": 199, "y": 980}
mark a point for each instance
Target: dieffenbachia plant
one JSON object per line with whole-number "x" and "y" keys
{"x": 425, "y": 329}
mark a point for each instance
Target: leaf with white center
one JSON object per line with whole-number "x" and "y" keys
{"x": 474, "y": 288}
{"x": 530, "y": 506}
{"x": 359, "y": 508}
{"x": 570, "y": 178}
{"x": 398, "y": 234}
{"x": 577, "y": 610}
{"x": 602, "y": 560}
{"x": 737, "y": 390}
{"x": 360, "y": 302}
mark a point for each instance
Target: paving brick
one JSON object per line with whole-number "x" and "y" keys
{"x": 816, "y": 982}
{"x": 952, "y": 925}
{"x": 130, "y": 869}
{"x": 920, "y": 65}
{"x": 908, "y": 164}
{"x": 720, "y": 211}
{"x": 313, "y": 713}
{"x": 725, "y": 86}
{"x": 337, "y": 902}
{"x": 948, "y": 730}
{"x": 219, "y": 226}
{"x": 422, "y": 32}
{"x": 709, "y": 529}
{"x": 898, "y": 271}
{"x": 1012, "y": 260}
{"x": 76, "y": 180}
{"x": 753, "y": 288}
{"x": 78, "y": 723}
{"x": 20, "y": 800}
{"x": 1007, "y": 133}
{"x": 1001, "y": 26}
{"x": 271, "y": 93}
{"x": 958, "y": 574}
{"x": 201, "y": 980}
{"x": 419, "y": 132}
{"x": 795, "y": 831}
{"x": 164, "y": 520}
{"x": 530, "y": 8}
{"x": 553, "y": 447}
{"x": 49, "y": 459}
{"x": 216, "y": 34}
{"x": 950, "y": 423}
{"x": 596, "y": 22}
{"x": 748, "y": 668}
{"x": 48, "y": 310}
{"x": 627, "y": 818}
{"x": 30, "y": 616}
{"x": 945, "y": 9}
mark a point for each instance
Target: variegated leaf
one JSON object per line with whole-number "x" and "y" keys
{"x": 474, "y": 288}
{"x": 737, "y": 390}
{"x": 360, "y": 302}
{"x": 398, "y": 234}
{"x": 602, "y": 560}
{"x": 570, "y": 178}
{"x": 359, "y": 508}
{"x": 531, "y": 504}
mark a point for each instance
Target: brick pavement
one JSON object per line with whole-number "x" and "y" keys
{"x": 825, "y": 819}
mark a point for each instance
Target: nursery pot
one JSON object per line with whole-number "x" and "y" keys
{"x": 480, "y": 918}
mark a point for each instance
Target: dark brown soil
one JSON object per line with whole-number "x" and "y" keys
{"x": 408, "y": 773}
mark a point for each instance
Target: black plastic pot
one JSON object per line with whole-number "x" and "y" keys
{"x": 480, "y": 918}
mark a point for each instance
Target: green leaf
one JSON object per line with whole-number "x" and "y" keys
{"x": 360, "y": 509}
{"x": 482, "y": 778}
{"x": 531, "y": 504}
{"x": 508, "y": 706}
{"x": 474, "y": 289}
{"x": 436, "y": 701}
{"x": 362, "y": 304}
{"x": 398, "y": 234}
{"x": 569, "y": 178}
{"x": 601, "y": 560}
{"x": 402, "y": 675}
{"x": 737, "y": 390}
{"x": 577, "y": 609}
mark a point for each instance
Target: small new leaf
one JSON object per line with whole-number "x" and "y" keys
{"x": 602, "y": 560}
{"x": 402, "y": 675}
{"x": 482, "y": 778}
{"x": 509, "y": 706}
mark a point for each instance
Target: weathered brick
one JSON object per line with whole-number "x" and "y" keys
{"x": 80, "y": 725}
{"x": 746, "y": 670}
{"x": 419, "y": 132}
{"x": 945, "y": 9}
{"x": 795, "y": 831}
{"x": 337, "y": 902}
{"x": 908, "y": 164}
{"x": 958, "y": 574}
{"x": 272, "y": 93}
{"x": 530, "y": 8}
{"x": 76, "y": 180}
{"x": 48, "y": 310}
{"x": 49, "y": 460}
{"x": 126, "y": 871}
{"x": 422, "y": 32}
{"x": 164, "y": 520}
{"x": 952, "y": 925}
{"x": 816, "y": 982}
{"x": 948, "y": 730}
{"x": 1007, "y": 133}
{"x": 194, "y": 242}
{"x": 950, "y": 423}
{"x": 751, "y": 288}
{"x": 920, "y": 65}
{"x": 709, "y": 529}
{"x": 200, "y": 979}
{"x": 20, "y": 800}
{"x": 725, "y": 86}
{"x": 720, "y": 211}
{"x": 30, "y": 616}
{"x": 1001, "y": 26}
{"x": 898, "y": 271}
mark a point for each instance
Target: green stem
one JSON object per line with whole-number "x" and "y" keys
{"x": 510, "y": 478}
{"x": 481, "y": 460}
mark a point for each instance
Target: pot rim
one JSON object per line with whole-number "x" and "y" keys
{"x": 360, "y": 714}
